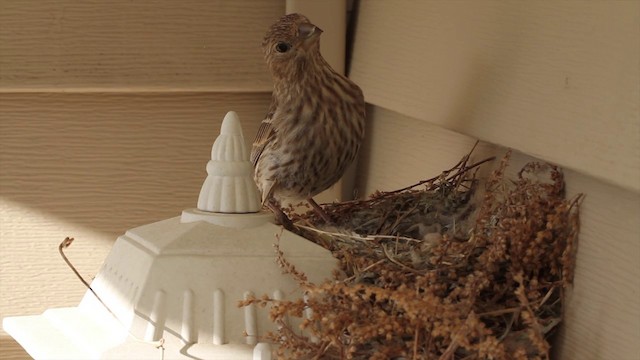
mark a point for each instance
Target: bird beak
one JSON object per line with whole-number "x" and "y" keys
{"x": 308, "y": 31}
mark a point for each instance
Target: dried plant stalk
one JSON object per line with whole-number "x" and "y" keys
{"x": 433, "y": 272}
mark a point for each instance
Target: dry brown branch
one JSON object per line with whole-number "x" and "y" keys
{"x": 431, "y": 271}
{"x": 64, "y": 245}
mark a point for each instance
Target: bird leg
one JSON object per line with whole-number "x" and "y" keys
{"x": 281, "y": 217}
{"x": 319, "y": 211}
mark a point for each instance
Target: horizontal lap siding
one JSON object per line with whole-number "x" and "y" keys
{"x": 91, "y": 166}
{"x": 122, "y": 45}
{"x": 555, "y": 79}
{"x": 602, "y": 315}
{"x": 108, "y": 152}
{"x": 108, "y": 111}
{"x": 97, "y": 164}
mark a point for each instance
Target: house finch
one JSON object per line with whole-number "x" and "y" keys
{"x": 315, "y": 123}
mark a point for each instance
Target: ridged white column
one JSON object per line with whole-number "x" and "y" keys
{"x": 229, "y": 186}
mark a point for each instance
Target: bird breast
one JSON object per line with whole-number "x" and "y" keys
{"x": 316, "y": 139}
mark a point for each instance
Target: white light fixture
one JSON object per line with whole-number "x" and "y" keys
{"x": 170, "y": 289}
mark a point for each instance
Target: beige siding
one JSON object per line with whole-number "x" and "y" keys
{"x": 559, "y": 80}
{"x": 603, "y": 311}
{"x": 124, "y": 45}
{"x": 556, "y": 80}
{"x": 108, "y": 111}
{"x": 91, "y": 166}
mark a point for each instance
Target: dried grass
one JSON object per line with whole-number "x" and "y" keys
{"x": 437, "y": 271}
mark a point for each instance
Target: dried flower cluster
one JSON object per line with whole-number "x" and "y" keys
{"x": 437, "y": 271}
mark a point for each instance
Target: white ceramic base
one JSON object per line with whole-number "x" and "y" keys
{"x": 178, "y": 280}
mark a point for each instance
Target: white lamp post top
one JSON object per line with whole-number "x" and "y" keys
{"x": 177, "y": 281}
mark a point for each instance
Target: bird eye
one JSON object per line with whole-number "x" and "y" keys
{"x": 282, "y": 47}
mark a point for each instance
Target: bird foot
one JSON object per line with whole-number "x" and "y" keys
{"x": 281, "y": 217}
{"x": 319, "y": 211}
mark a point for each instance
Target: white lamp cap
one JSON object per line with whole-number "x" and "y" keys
{"x": 229, "y": 186}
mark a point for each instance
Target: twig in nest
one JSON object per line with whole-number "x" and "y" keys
{"x": 358, "y": 237}
{"x": 458, "y": 171}
{"x": 393, "y": 260}
{"x": 385, "y": 308}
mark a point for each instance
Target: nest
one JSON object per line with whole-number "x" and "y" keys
{"x": 448, "y": 268}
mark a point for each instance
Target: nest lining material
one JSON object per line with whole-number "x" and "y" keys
{"x": 437, "y": 270}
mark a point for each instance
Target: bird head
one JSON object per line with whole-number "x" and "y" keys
{"x": 290, "y": 44}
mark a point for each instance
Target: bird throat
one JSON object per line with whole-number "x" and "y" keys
{"x": 302, "y": 74}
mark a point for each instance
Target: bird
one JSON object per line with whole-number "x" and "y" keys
{"x": 315, "y": 124}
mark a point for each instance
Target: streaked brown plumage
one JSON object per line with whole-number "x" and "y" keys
{"x": 315, "y": 124}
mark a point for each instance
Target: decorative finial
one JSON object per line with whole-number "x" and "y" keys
{"x": 229, "y": 186}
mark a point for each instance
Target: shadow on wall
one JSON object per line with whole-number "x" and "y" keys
{"x": 109, "y": 162}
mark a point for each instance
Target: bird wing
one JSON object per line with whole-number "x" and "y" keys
{"x": 265, "y": 134}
